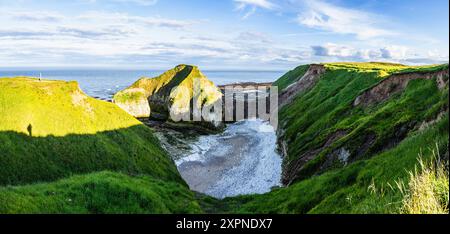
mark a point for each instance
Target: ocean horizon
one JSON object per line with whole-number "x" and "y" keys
{"x": 104, "y": 83}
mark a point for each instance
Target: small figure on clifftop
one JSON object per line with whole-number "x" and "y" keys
{"x": 30, "y": 129}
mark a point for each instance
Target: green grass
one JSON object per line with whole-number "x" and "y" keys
{"x": 50, "y": 130}
{"x": 100, "y": 193}
{"x": 370, "y": 66}
{"x": 291, "y": 77}
{"x": 427, "y": 191}
{"x": 130, "y": 96}
{"x": 426, "y": 68}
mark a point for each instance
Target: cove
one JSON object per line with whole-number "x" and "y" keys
{"x": 241, "y": 160}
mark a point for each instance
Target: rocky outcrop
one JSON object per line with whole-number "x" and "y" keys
{"x": 427, "y": 123}
{"x": 177, "y": 90}
{"x": 245, "y": 85}
{"x": 138, "y": 107}
{"x": 290, "y": 173}
{"x": 397, "y": 83}
{"x": 305, "y": 83}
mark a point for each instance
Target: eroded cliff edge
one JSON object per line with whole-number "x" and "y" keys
{"x": 336, "y": 114}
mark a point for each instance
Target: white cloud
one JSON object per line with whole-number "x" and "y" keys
{"x": 391, "y": 53}
{"x": 345, "y": 52}
{"x": 44, "y": 16}
{"x": 328, "y": 17}
{"x": 138, "y": 2}
{"x": 103, "y": 37}
{"x": 256, "y": 3}
{"x": 99, "y": 37}
{"x": 250, "y": 6}
{"x": 331, "y": 49}
{"x": 89, "y": 35}
{"x": 394, "y": 52}
{"x": 435, "y": 54}
{"x": 123, "y": 18}
{"x": 253, "y": 37}
{"x": 249, "y": 13}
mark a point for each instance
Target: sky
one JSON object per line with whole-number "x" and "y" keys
{"x": 220, "y": 34}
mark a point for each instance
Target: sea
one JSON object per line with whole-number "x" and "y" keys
{"x": 103, "y": 84}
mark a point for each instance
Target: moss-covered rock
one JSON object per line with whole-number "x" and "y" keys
{"x": 175, "y": 90}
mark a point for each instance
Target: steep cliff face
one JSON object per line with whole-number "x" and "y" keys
{"x": 291, "y": 77}
{"x": 175, "y": 90}
{"x": 337, "y": 114}
{"x": 396, "y": 83}
{"x": 134, "y": 101}
{"x": 308, "y": 80}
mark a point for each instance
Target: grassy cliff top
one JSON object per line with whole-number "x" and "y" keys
{"x": 51, "y": 129}
{"x": 368, "y": 65}
{"x": 384, "y": 68}
{"x": 381, "y": 69}
{"x": 57, "y": 108}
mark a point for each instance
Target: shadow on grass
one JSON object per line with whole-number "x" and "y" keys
{"x": 133, "y": 151}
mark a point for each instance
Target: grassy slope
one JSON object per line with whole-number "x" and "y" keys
{"x": 71, "y": 133}
{"x": 315, "y": 115}
{"x": 327, "y": 108}
{"x": 103, "y": 192}
{"x": 145, "y": 87}
{"x": 55, "y": 108}
{"x": 291, "y": 77}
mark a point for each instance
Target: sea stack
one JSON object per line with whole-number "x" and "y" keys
{"x": 175, "y": 90}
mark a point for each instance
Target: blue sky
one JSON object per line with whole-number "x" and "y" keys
{"x": 221, "y": 34}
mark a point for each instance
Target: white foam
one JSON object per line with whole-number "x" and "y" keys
{"x": 199, "y": 148}
{"x": 260, "y": 167}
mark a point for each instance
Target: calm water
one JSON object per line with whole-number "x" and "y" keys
{"x": 104, "y": 83}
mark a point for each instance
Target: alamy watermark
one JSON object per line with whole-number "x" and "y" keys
{"x": 229, "y": 104}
